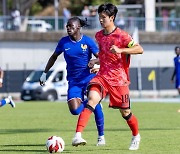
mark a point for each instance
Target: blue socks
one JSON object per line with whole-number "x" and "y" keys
{"x": 79, "y": 109}
{"x": 3, "y": 102}
{"x": 99, "y": 118}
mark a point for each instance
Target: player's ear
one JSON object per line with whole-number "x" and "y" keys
{"x": 79, "y": 27}
{"x": 112, "y": 18}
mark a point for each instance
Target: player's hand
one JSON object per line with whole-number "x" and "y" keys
{"x": 91, "y": 63}
{"x": 114, "y": 49}
{"x": 1, "y": 82}
{"x": 42, "y": 79}
{"x": 94, "y": 70}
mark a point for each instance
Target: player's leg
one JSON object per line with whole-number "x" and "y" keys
{"x": 178, "y": 85}
{"x": 119, "y": 98}
{"x": 99, "y": 118}
{"x": 7, "y": 100}
{"x": 178, "y": 91}
{"x": 93, "y": 100}
{"x": 133, "y": 125}
{"x": 75, "y": 100}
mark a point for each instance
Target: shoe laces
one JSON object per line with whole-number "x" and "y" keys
{"x": 134, "y": 141}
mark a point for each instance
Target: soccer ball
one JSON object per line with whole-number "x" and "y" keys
{"x": 55, "y": 144}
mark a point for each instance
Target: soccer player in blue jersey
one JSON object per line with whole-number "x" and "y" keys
{"x": 78, "y": 50}
{"x": 176, "y": 72}
{"x": 6, "y": 100}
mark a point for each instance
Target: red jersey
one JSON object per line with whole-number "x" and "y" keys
{"x": 114, "y": 68}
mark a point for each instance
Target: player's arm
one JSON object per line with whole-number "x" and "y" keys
{"x": 49, "y": 64}
{"x": 173, "y": 75}
{"x": 94, "y": 64}
{"x": 1, "y": 77}
{"x": 135, "y": 49}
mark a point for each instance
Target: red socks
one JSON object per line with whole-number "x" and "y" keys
{"x": 83, "y": 119}
{"x": 133, "y": 124}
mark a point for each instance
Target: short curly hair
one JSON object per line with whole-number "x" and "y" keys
{"x": 177, "y": 47}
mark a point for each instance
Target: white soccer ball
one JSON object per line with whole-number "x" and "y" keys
{"x": 55, "y": 144}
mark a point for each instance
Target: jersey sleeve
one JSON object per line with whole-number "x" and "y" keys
{"x": 59, "y": 47}
{"x": 92, "y": 45}
{"x": 128, "y": 40}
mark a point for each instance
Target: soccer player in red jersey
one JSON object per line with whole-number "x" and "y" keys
{"x": 115, "y": 46}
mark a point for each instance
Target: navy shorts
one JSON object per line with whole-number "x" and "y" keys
{"x": 177, "y": 83}
{"x": 78, "y": 89}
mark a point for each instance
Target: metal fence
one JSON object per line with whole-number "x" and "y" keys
{"x": 169, "y": 24}
{"x": 13, "y": 79}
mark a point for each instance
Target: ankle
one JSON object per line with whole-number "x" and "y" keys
{"x": 101, "y": 137}
{"x": 78, "y": 134}
{"x": 138, "y": 135}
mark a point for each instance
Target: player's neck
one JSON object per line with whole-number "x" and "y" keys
{"x": 109, "y": 29}
{"x": 76, "y": 38}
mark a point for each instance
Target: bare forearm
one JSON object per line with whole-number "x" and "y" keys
{"x": 50, "y": 63}
{"x": 172, "y": 78}
{"x": 1, "y": 77}
{"x": 96, "y": 61}
{"x": 1, "y": 74}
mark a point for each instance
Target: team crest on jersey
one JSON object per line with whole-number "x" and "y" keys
{"x": 84, "y": 47}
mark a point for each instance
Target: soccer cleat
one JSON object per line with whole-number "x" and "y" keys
{"x": 101, "y": 141}
{"x": 135, "y": 142}
{"x": 78, "y": 141}
{"x": 11, "y": 102}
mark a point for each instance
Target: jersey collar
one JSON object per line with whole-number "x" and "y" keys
{"x": 76, "y": 41}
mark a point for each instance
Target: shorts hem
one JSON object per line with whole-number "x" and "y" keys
{"x": 118, "y": 107}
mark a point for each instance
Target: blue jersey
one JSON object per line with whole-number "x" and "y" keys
{"x": 177, "y": 66}
{"x": 77, "y": 56}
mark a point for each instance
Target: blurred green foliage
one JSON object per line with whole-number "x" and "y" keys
{"x": 36, "y": 8}
{"x": 77, "y": 5}
{"x": 98, "y": 2}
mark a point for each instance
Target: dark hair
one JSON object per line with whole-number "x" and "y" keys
{"x": 109, "y": 9}
{"x": 176, "y": 48}
{"x": 81, "y": 21}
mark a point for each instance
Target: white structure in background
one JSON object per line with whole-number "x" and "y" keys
{"x": 138, "y": 59}
{"x": 150, "y": 16}
{"x": 56, "y": 5}
{"x": 38, "y": 26}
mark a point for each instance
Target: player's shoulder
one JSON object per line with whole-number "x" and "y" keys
{"x": 65, "y": 38}
{"x": 98, "y": 33}
{"x": 121, "y": 31}
{"x": 86, "y": 37}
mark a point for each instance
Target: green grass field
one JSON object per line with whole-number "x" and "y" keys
{"x": 26, "y": 128}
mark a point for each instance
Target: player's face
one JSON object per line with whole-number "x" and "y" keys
{"x": 72, "y": 27}
{"x": 105, "y": 20}
{"x": 178, "y": 51}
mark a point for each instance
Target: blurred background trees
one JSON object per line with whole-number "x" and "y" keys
{"x": 43, "y": 7}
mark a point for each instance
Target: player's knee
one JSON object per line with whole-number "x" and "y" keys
{"x": 127, "y": 117}
{"x": 75, "y": 112}
{"x": 88, "y": 106}
{"x": 125, "y": 112}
